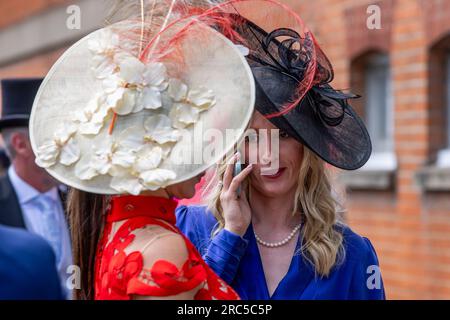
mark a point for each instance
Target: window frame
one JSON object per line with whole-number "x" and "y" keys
{"x": 382, "y": 159}
{"x": 443, "y": 155}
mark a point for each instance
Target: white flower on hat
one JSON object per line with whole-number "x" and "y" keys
{"x": 149, "y": 145}
{"x": 105, "y": 49}
{"x": 131, "y": 159}
{"x": 107, "y": 157}
{"x": 62, "y": 147}
{"x": 126, "y": 184}
{"x": 154, "y": 83}
{"x": 132, "y": 183}
{"x": 132, "y": 153}
{"x": 135, "y": 87}
{"x": 92, "y": 118}
{"x": 183, "y": 115}
{"x": 159, "y": 129}
{"x": 157, "y": 178}
{"x": 188, "y": 103}
{"x": 118, "y": 94}
{"x": 147, "y": 158}
{"x": 144, "y": 174}
{"x": 108, "y": 51}
{"x": 145, "y": 168}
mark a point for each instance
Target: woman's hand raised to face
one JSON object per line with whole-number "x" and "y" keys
{"x": 236, "y": 209}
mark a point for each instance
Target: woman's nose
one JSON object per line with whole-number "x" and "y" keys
{"x": 265, "y": 147}
{"x": 266, "y": 158}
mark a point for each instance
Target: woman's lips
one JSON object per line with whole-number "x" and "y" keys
{"x": 275, "y": 175}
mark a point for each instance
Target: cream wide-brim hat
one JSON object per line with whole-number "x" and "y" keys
{"x": 209, "y": 61}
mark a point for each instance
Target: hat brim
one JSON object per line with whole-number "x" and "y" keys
{"x": 14, "y": 121}
{"x": 346, "y": 145}
{"x": 215, "y": 63}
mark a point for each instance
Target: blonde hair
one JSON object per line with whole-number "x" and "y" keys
{"x": 322, "y": 242}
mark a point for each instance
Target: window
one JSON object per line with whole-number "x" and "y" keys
{"x": 448, "y": 99}
{"x": 371, "y": 78}
{"x": 377, "y": 102}
{"x": 378, "y": 105}
{"x": 443, "y": 158}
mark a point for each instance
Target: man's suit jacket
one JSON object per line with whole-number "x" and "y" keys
{"x": 27, "y": 267}
{"x": 10, "y": 210}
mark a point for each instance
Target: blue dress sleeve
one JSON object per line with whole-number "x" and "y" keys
{"x": 224, "y": 254}
{"x": 367, "y": 283}
{"x": 223, "y": 251}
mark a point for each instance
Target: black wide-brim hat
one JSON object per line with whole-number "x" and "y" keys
{"x": 17, "y": 99}
{"x": 292, "y": 77}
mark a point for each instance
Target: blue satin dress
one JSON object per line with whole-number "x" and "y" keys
{"x": 237, "y": 260}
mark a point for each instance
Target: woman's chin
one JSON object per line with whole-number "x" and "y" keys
{"x": 273, "y": 188}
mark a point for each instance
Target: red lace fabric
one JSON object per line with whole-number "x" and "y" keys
{"x": 119, "y": 276}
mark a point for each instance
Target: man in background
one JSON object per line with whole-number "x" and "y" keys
{"x": 29, "y": 197}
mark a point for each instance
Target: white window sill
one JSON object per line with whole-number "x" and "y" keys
{"x": 376, "y": 174}
{"x": 380, "y": 161}
{"x": 443, "y": 158}
{"x": 436, "y": 177}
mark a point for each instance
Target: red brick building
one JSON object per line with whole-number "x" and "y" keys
{"x": 401, "y": 198}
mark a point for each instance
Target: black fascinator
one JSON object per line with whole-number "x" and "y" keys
{"x": 292, "y": 77}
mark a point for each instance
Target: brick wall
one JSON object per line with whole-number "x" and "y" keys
{"x": 13, "y": 11}
{"x": 410, "y": 228}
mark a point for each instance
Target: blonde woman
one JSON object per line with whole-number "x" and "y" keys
{"x": 280, "y": 236}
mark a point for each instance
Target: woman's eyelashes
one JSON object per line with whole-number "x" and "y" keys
{"x": 254, "y": 137}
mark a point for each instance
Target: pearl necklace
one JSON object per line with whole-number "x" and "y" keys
{"x": 280, "y": 243}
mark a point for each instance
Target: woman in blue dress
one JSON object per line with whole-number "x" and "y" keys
{"x": 274, "y": 230}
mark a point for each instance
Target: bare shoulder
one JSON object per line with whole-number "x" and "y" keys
{"x": 157, "y": 243}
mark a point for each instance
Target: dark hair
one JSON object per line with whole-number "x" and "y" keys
{"x": 86, "y": 217}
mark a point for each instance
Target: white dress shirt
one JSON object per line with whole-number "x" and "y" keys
{"x": 43, "y": 215}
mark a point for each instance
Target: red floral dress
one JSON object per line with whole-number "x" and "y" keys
{"x": 119, "y": 275}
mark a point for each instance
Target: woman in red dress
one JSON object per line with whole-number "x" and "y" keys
{"x": 119, "y": 118}
{"x": 142, "y": 255}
